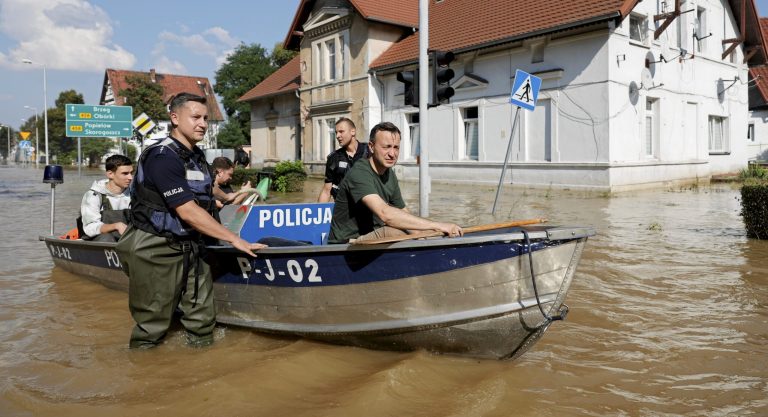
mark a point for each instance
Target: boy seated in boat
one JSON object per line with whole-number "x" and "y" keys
{"x": 222, "y": 190}
{"x": 103, "y": 207}
{"x": 369, "y": 204}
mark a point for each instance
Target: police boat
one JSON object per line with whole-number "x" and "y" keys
{"x": 489, "y": 294}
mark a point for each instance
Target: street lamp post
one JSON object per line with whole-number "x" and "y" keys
{"x": 37, "y": 141}
{"x": 45, "y": 107}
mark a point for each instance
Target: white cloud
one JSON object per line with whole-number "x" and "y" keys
{"x": 169, "y": 66}
{"x": 63, "y": 34}
{"x": 214, "y": 43}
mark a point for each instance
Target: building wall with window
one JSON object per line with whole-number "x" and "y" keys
{"x": 757, "y": 135}
{"x": 685, "y": 118}
{"x": 618, "y": 107}
{"x": 612, "y": 114}
{"x": 553, "y": 144}
{"x": 336, "y": 51}
{"x": 275, "y": 132}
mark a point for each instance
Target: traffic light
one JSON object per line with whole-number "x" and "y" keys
{"x": 411, "y": 92}
{"x": 441, "y": 77}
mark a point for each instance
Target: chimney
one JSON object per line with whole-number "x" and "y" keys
{"x": 152, "y": 75}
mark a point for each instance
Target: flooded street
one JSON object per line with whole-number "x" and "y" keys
{"x": 669, "y": 316}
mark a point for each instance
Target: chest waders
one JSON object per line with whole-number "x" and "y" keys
{"x": 165, "y": 255}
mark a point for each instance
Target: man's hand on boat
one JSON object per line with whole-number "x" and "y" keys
{"x": 198, "y": 218}
{"x": 247, "y": 247}
{"x": 451, "y": 229}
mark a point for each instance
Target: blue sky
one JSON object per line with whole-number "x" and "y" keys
{"x": 79, "y": 39}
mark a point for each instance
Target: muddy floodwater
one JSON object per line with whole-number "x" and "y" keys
{"x": 669, "y": 316}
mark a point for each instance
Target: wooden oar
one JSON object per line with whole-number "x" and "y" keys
{"x": 435, "y": 233}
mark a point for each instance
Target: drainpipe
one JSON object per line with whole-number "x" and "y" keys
{"x": 383, "y": 97}
{"x": 298, "y": 129}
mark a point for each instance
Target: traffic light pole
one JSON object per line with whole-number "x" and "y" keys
{"x": 424, "y": 180}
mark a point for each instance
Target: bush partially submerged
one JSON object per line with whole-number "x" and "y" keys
{"x": 243, "y": 175}
{"x": 289, "y": 176}
{"x": 753, "y": 171}
{"x": 754, "y": 208}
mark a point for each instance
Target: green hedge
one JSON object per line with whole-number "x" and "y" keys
{"x": 243, "y": 175}
{"x": 289, "y": 176}
{"x": 754, "y": 208}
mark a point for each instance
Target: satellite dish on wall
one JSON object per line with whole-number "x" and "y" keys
{"x": 650, "y": 62}
{"x": 646, "y": 79}
{"x": 634, "y": 93}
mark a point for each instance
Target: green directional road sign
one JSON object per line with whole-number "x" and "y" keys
{"x": 91, "y": 113}
{"x": 84, "y": 120}
{"x": 96, "y": 129}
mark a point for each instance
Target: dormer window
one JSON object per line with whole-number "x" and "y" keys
{"x": 324, "y": 16}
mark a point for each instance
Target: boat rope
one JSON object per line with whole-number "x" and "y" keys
{"x": 533, "y": 280}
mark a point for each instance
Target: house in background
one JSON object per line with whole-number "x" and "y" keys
{"x": 115, "y": 83}
{"x": 634, "y": 94}
{"x": 757, "y": 130}
{"x": 275, "y": 114}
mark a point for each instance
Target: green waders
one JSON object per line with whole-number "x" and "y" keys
{"x": 158, "y": 284}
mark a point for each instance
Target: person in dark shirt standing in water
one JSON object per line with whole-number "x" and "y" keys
{"x": 341, "y": 160}
{"x": 162, "y": 252}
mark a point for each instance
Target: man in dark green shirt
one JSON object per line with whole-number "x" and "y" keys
{"x": 369, "y": 204}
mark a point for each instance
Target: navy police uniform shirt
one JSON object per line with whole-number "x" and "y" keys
{"x": 165, "y": 172}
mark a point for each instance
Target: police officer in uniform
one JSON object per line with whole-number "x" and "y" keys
{"x": 172, "y": 217}
{"x": 341, "y": 160}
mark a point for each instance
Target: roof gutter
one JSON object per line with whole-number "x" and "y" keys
{"x": 516, "y": 38}
{"x": 278, "y": 93}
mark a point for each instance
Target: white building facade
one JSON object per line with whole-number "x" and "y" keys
{"x": 634, "y": 94}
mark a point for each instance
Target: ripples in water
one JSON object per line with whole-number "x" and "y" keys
{"x": 669, "y": 316}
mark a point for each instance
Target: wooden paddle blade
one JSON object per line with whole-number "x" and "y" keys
{"x": 434, "y": 233}
{"x": 502, "y": 225}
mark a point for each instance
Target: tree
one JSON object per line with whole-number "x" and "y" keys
{"x": 5, "y": 133}
{"x": 247, "y": 66}
{"x": 280, "y": 56}
{"x": 58, "y": 143}
{"x": 145, "y": 96}
{"x": 69, "y": 97}
{"x": 230, "y": 135}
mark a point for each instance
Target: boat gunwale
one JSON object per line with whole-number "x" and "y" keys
{"x": 552, "y": 233}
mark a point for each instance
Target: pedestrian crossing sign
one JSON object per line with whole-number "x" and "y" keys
{"x": 525, "y": 90}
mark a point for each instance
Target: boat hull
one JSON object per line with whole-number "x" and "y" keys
{"x": 471, "y": 296}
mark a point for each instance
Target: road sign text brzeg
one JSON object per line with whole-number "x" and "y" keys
{"x": 83, "y": 120}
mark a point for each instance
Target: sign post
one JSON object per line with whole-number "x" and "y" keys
{"x": 525, "y": 92}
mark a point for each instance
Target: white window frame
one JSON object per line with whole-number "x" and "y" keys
{"x": 651, "y": 134}
{"x": 468, "y": 123}
{"x": 638, "y": 23}
{"x": 329, "y": 60}
{"x": 324, "y": 139}
{"x": 751, "y": 132}
{"x": 701, "y": 15}
{"x": 718, "y": 126}
{"x": 413, "y": 136}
